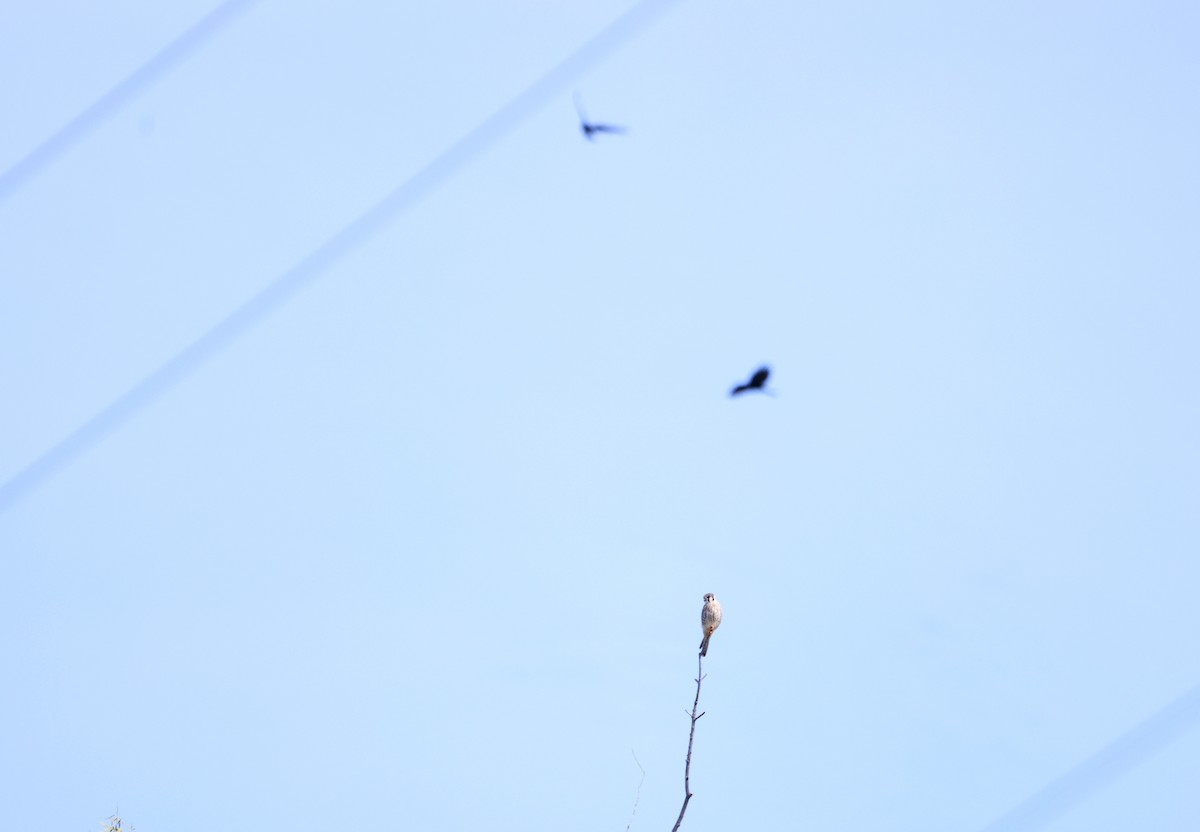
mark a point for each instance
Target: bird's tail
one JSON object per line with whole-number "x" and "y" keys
{"x": 704, "y": 644}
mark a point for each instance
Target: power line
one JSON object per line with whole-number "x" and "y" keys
{"x": 348, "y": 239}
{"x": 1116, "y": 759}
{"x": 75, "y": 130}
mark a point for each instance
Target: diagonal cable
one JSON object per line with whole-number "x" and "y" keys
{"x": 319, "y": 260}
{"x": 1100, "y": 770}
{"x": 105, "y": 107}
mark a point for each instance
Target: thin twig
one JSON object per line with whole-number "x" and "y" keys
{"x": 637, "y": 796}
{"x": 687, "y": 769}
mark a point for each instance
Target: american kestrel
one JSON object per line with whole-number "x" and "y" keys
{"x": 710, "y": 620}
{"x": 758, "y": 381}
{"x": 590, "y": 128}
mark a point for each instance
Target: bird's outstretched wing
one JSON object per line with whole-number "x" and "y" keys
{"x": 589, "y": 129}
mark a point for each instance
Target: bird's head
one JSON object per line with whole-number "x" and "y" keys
{"x": 708, "y": 596}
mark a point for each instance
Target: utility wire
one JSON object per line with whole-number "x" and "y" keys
{"x": 319, "y": 260}
{"x": 105, "y": 107}
{"x": 1116, "y": 759}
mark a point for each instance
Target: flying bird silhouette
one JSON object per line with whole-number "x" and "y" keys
{"x": 758, "y": 381}
{"x": 591, "y": 128}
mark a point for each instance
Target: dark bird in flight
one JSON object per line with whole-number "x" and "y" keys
{"x": 758, "y": 381}
{"x": 591, "y": 128}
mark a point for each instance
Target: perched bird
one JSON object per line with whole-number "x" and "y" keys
{"x": 710, "y": 620}
{"x": 590, "y": 128}
{"x": 758, "y": 381}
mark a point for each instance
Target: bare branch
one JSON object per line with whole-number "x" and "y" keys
{"x": 687, "y": 769}
{"x": 638, "y": 796}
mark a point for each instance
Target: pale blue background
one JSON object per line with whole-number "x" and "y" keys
{"x": 426, "y": 548}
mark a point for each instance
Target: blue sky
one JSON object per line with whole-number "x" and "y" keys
{"x": 426, "y": 546}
